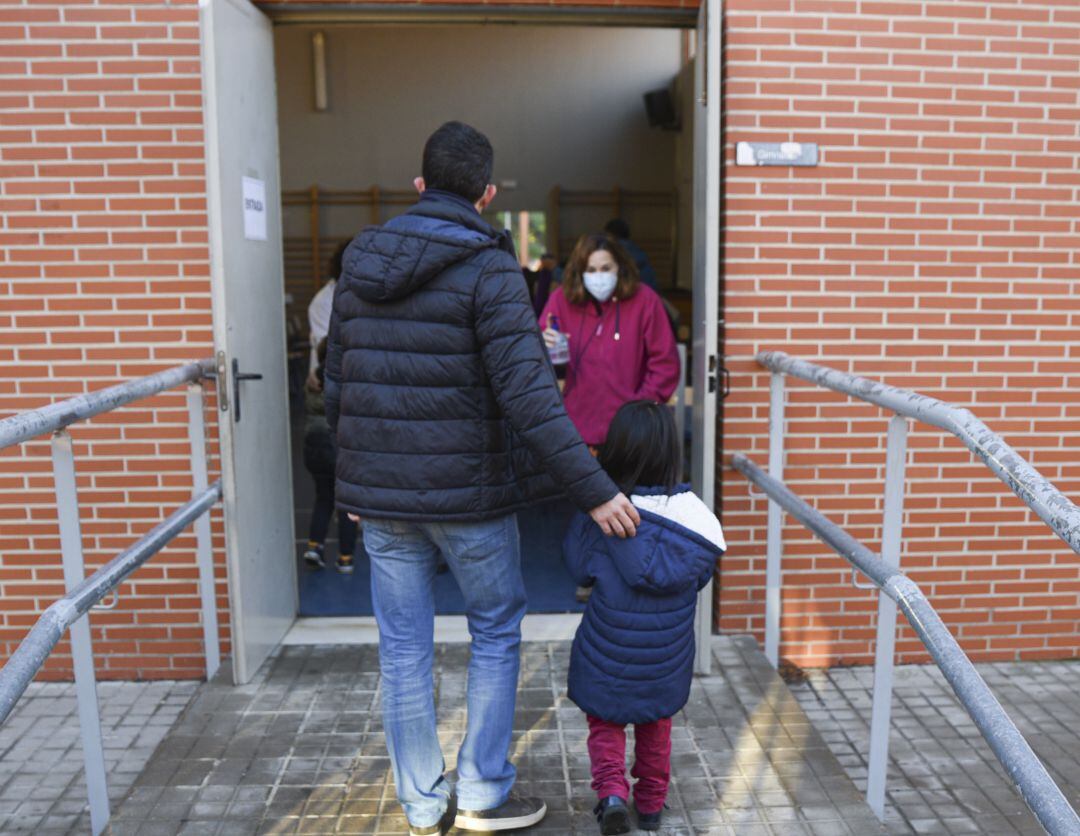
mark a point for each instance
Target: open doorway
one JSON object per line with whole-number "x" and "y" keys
{"x": 245, "y": 208}
{"x": 576, "y": 146}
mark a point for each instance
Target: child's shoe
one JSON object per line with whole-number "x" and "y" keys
{"x": 345, "y": 564}
{"x": 313, "y": 557}
{"x": 613, "y": 815}
{"x": 648, "y": 821}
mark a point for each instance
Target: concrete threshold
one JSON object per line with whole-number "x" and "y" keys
{"x": 449, "y": 629}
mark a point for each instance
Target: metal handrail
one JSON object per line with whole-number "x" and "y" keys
{"x": 84, "y": 593}
{"x": 33, "y": 650}
{"x": 56, "y": 416}
{"x": 1023, "y": 766}
{"x": 1034, "y": 489}
{"x": 1029, "y": 485}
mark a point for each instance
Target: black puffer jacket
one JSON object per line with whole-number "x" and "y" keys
{"x": 438, "y": 384}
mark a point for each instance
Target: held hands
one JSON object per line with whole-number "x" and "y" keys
{"x": 617, "y": 517}
{"x": 551, "y": 336}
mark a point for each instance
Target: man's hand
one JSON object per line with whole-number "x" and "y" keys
{"x": 617, "y": 517}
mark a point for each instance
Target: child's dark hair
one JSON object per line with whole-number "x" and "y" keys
{"x": 642, "y": 447}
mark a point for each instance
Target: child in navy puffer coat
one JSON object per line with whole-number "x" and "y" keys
{"x": 633, "y": 655}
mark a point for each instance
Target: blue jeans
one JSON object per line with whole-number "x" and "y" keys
{"x": 485, "y": 558}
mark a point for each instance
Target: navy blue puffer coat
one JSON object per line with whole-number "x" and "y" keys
{"x": 633, "y": 655}
{"x": 438, "y": 386}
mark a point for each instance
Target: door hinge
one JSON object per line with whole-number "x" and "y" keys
{"x": 715, "y": 372}
{"x": 222, "y": 383}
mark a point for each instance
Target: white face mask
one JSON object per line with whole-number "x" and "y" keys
{"x": 601, "y": 285}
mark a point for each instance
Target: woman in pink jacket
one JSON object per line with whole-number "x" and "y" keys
{"x": 621, "y": 347}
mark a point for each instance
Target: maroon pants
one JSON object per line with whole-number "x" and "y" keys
{"x": 652, "y": 762}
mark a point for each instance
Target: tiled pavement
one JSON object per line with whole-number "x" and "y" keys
{"x": 42, "y": 788}
{"x": 943, "y": 777}
{"x": 301, "y": 750}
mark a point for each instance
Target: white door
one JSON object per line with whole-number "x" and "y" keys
{"x": 244, "y": 205}
{"x": 706, "y": 283}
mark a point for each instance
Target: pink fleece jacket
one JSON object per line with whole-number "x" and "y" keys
{"x": 625, "y": 352}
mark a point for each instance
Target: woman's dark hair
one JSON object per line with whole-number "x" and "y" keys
{"x": 573, "y": 285}
{"x": 458, "y": 158}
{"x": 642, "y": 447}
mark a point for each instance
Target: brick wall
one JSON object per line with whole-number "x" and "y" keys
{"x": 103, "y": 277}
{"x": 936, "y": 247}
{"x": 267, "y": 5}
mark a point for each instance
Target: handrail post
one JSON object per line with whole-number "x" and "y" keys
{"x": 82, "y": 653}
{"x": 774, "y": 530}
{"x": 884, "y": 652}
{"x": 203, "y": 545}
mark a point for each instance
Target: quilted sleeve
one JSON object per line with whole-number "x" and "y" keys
{"x": 576, "y": 551}
{"x": 523, "y": 381}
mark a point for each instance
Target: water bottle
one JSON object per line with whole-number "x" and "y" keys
{"x": 559, "y": 352}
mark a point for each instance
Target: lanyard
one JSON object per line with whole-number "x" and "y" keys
{"x": 596, "y": 332}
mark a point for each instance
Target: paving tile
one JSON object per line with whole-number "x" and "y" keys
{"x": 750, "y": 756}
{"x": 280, "y": 755}
{"x": 942, "y": 775}
{"x": 42, "y": 788}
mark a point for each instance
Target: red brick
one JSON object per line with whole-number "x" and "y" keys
{"x": 988, "y": 204}
{"x": 821, "y": 262}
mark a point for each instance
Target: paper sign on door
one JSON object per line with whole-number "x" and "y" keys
{"x": 254, "y": 209}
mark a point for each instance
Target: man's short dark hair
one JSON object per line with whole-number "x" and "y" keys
{"x": 458, "y": 158}
{"x": 617, "y": 227}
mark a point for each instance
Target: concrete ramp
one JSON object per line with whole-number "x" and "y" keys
{"x": 301, "y": 750}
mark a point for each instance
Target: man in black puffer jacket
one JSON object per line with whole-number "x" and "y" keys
{"x": 448, "y": 420}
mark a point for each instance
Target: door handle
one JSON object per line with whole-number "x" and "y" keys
{"x": 237, "y": 376}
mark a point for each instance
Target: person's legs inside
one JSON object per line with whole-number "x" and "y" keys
{"x": 321, "y": 513}
{"x": 403, "y": 563}
{"x": 347, "y": 530}
{"x": 652, "y": 766}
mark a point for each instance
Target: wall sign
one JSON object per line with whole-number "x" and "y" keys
{"x": 254, "y": 209}
{"x": 776, "y": 153}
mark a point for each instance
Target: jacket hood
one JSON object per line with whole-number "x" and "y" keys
{"x": 676, "y": 546}
{"x": 389, "y": 262}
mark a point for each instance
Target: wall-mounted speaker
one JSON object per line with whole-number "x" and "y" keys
{"x": 660, "y": 109}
